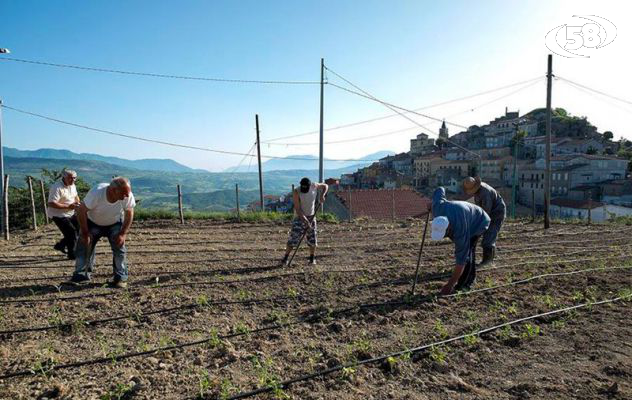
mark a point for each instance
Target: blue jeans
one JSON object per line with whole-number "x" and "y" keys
{"x": 491, "y": 234}
{"x": 85, "y": 256}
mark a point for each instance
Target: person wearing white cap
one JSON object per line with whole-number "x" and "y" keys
{"x": 463, "y": 223}
{"x": 63, "y": 200}
{"x": 492, "y": 202}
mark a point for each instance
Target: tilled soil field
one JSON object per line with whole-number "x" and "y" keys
{"x": 210, "y": 314}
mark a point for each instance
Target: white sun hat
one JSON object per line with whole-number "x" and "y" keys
{"x": 439, "y": 226}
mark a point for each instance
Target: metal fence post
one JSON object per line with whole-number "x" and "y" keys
{"x": 5, "y": 206}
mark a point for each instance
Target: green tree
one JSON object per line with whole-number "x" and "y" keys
{"x": 607, "y": 135}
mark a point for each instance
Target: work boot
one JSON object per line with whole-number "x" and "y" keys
{"x": 312, "y": 260}
{"x": 285, "y": 261}
{"x": 488, "y": 256}
{"x": 60, "y": 246}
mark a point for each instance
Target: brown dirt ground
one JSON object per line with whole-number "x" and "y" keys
{"x": 208, "y": 280}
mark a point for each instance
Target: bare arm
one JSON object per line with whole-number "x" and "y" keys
{"x": 60, "y": 206}
{"x": 454, "y": 279}
{"x": 325, "y": 189}
{"x": 127, "y": 223}
{"x": 82, "y": 217}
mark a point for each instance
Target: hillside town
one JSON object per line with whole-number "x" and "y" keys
{"x": 508, "y": 153}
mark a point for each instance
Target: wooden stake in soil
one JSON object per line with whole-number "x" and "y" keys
{"x": 5, "y": 206}
{"x": 237, "y": 201}
{"x": 180, "y": 205}
{"x": 421, "y": 249}
{"x": 44, "y": 201}
{"x": 30, "y": 181}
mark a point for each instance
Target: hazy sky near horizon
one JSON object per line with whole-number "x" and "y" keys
{"x": 409, "y": 53}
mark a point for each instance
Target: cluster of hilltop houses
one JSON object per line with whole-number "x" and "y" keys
{"x": 509, "y": 154}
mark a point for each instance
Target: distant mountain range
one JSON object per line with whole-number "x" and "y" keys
{"x": 310, "y": 162}
{"x": 148, "y": 164}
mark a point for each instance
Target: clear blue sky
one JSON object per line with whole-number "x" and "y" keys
{"x": 411, "y": 53}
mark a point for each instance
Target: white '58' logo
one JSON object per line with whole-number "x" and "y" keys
{"x": 565, "y": 40}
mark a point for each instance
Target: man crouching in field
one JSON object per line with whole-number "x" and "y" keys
{"x": 100, "y": 216}
{"x": 463, "y": 223}
{"x": 304, "y": 222}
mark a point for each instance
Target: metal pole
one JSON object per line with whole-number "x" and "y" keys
{"x": 180, "y": 205}
{"x": 547, "y": 177}
{"x": 533, "y": 204}
{"x": 589, "y": 209}
{"x": 259, "y": 159}
{"x": 350, "y": 211}
{"x": 322, "y": 98}
{"x": 3, "y": 225}
{"x": 44, "y": 200}
{"x": 30, "y": 181}
{"x": 513, "y": 183}
{"x": 5, "y": 207}
{"x": 237, "y": 202}
{"x": 393, "y": 205}
{"x": 421, "y": 249}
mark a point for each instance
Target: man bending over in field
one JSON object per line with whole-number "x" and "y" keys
{"x": 107, "y": 211}
{"x": 304, "y": 222}
{"x": 463, "y": 223}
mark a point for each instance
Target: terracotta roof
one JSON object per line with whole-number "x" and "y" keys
{"x": 577, "y": 204}
{"x": 378, "y": 203}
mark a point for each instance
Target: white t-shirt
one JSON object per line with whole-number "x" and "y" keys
{"x": 308, "y": 199}
{"x": 101, "y": 211}
{"x": 64, "y": 195}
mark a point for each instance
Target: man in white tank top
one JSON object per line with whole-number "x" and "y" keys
{"x": 304, "y": 222}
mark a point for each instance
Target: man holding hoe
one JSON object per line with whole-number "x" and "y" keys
{"x": 304, "y": 222}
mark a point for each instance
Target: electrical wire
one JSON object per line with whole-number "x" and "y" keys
{"x": 393, "y": 107}
{"x": 184, "y": 146}
{"x": 155, "y": 75}
{"x": 412, "y": 127}
{"x": 596, "y": 91}
{"x": 395, "y": 115}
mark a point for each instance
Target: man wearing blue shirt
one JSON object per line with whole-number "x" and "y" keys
{"x": 463, "y": 223}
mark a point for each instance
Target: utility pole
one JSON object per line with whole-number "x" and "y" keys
{"x": 259, "y": 159}
{"x": 513, "y": 181}
{"x": 4, "y": 227}
{"x": 322, "y": 99}
{"x": 547, "y": 176}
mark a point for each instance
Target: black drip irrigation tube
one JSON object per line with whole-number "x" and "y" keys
{"x": 309, "y": 318}
{"x": 418, "y": 349}
{"x": 305, "y": 272}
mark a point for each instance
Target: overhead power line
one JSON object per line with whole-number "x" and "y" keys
{"x": 392, "y": 132}
{"x": 396, "y": 115}
{"x": 396, "y": 108}
{"x": 596, "y": 96}
{"x": 184, "y": 146}
{"x": 596, "y": 91}
{"x": 156, "y": 75}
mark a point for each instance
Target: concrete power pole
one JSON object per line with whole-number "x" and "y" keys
{"x": 4, "y": 228}
{"x": 547, "y": 176}
{"x": 321, "y": 177}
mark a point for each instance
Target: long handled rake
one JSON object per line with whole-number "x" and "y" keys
{"x": 421, "y": 249}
